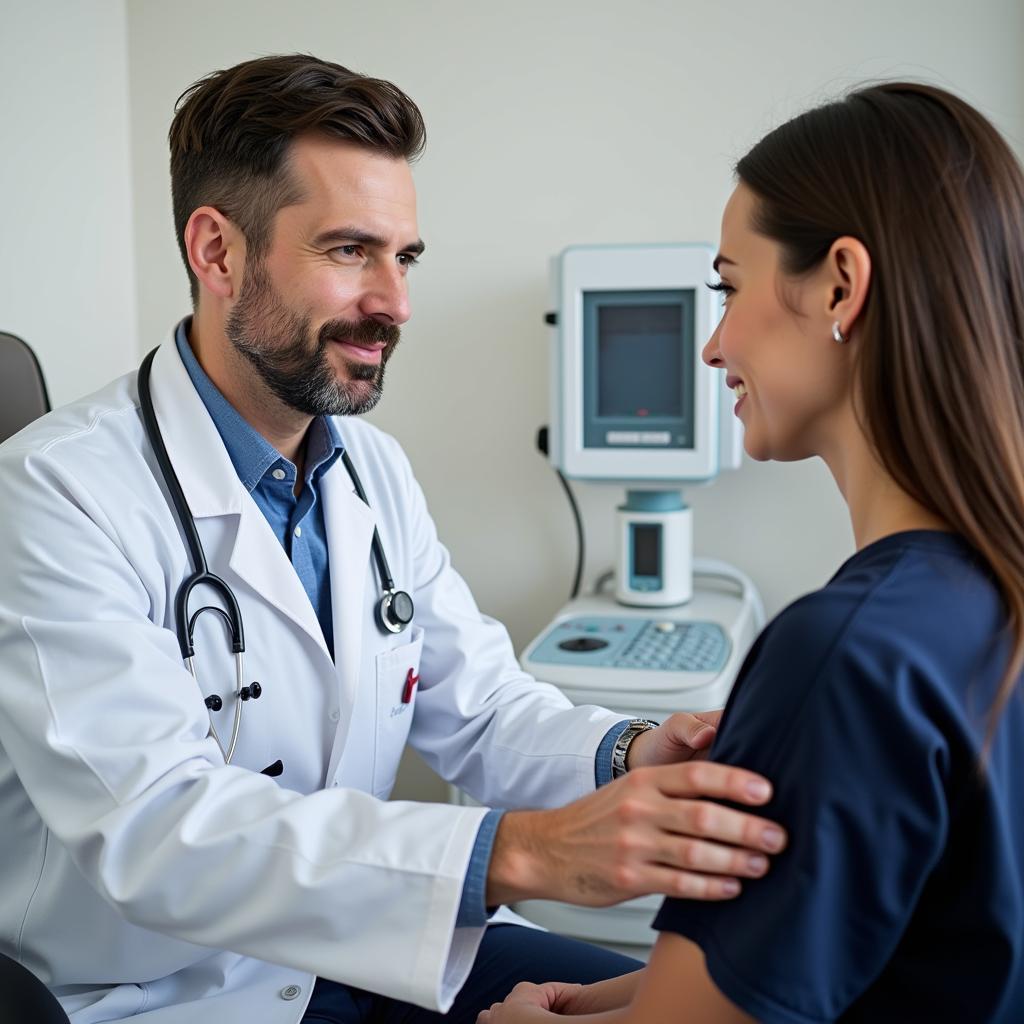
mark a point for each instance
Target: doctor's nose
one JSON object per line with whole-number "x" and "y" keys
{"x": 386, "y": 298}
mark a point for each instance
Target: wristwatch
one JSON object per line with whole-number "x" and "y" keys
{"x": 622, "y": 744}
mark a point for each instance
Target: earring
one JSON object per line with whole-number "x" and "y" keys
{"x": 837, "y": 335}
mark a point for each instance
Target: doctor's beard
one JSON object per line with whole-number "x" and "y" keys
{"x": 278, "y": 343}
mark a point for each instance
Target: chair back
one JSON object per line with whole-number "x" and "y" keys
{"x": 23, "y": 396}
{"x": 24, "y": 999}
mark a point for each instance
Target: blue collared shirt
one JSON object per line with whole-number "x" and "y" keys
{"x": 298, "y": 523}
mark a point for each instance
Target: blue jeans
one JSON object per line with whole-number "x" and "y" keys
{"x": 508, "y": 954}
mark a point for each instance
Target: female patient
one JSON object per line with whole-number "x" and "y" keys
{"x": 872, "y": 267}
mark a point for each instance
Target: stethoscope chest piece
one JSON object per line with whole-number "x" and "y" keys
{"x": 395, "y": 611}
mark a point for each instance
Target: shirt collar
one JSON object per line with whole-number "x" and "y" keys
{"x": 250, "y": 452}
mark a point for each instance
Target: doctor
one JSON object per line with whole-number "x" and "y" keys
{"x": 143, "y": 876}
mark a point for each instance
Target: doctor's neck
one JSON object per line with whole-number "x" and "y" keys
{"x": 238, "y": 381}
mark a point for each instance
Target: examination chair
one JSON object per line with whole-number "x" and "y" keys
{"x": 23, "y": 396}
{"x": 24, "y": 999}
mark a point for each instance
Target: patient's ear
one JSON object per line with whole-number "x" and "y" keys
{"x": 846, "y": 278}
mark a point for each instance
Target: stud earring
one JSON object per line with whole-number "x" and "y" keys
{"x": 837, "y": 335}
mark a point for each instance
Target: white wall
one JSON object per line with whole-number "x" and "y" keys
{"x": 554, "y": 123}
{"x": 67, "y": 268}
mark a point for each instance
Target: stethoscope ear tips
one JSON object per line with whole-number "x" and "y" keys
{"x": 250, "y": 692}
{"x": 214, "y": 702}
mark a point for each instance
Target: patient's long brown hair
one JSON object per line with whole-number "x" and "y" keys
{"x": 937, "y": 197}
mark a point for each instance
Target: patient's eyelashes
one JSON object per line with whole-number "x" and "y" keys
{"x": 720, "y": 286}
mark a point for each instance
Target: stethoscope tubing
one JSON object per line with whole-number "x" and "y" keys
{"x": 394, "y": 611}
{"x": 184, "y": 625}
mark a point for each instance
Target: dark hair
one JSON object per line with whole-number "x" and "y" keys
{"x": 933, "y": 191}
{"x": 232, "y": 130}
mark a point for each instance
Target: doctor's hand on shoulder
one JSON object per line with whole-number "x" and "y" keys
{"x": 656, "y": 829}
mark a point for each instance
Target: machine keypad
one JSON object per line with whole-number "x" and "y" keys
{"x": 634, "y": 643}
{"x": 682, "y": 647}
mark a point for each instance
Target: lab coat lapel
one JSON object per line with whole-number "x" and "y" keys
{"x": 259, "y": 559}
{"x": 212, "y": 489}
{"x": 350, "y": 524}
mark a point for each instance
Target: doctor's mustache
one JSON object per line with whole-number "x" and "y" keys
{"x": 361, "y": 332}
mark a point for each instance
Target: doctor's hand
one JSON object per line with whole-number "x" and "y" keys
{"x": 681, "y": 737}
{"x": 652, "y": 831}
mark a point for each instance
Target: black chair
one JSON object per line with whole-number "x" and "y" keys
{"x": 23, "y": 396}
{"x": 24, "y": 999}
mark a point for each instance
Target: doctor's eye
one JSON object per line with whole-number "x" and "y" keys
{"x": 407, "y": 260}
{"x": 346, "y": 251}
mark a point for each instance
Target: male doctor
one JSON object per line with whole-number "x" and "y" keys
{"x": 143, "y": 877}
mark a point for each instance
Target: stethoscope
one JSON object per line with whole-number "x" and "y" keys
{"x": 393, "y": 613}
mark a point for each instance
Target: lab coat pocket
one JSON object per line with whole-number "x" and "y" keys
{"x": 397, "y": 685}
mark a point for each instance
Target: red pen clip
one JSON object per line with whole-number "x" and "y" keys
{"x": 411, "y": 680}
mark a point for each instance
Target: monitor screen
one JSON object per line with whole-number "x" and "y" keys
{"x": 638, "y": 368}
{"x": 639, "y": 361}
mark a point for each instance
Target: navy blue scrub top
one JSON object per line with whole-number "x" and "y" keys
{"x": 901, "y": 894}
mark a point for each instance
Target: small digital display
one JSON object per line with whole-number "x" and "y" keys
{"x": 646, "y": 549}
{"x": 640, "y": 361}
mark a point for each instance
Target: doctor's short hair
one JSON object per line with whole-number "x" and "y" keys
{"x": 232, "y": 130}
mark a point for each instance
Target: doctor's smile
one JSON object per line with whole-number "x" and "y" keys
{"x": 369, "y": 352}
{"x": 227, "y": 611}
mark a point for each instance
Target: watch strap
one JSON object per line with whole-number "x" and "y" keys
{"x": 634, "y": 727}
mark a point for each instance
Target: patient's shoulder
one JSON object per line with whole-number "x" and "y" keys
{"x": 912, "y": 596}
{"x": 909, "y": 630}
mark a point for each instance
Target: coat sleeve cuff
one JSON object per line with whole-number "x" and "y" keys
{"x": 473, "y": 912}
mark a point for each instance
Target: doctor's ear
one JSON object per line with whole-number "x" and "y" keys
{"x": 847, "y": 272}
{"x": 216, "y": 251}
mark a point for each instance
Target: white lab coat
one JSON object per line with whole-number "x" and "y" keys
{"x": 143, "y": 878}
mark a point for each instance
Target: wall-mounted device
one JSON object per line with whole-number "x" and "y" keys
{"x": 633, "y": 402}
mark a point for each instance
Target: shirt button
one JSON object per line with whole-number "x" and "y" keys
{"x": 335, "y": 715}
{"x": 278, "y": 474}
{"x": 298, "y": 531}
{"x": 291, "y": 992}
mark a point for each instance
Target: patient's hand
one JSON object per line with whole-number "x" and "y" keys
{"x": 555, "y": 996}
{"x": 527, "y": 1003}
{"x": 570, "y": 999}
{"x": 681, "y": 737}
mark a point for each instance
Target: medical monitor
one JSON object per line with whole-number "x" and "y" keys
{"x": 632, "y": 400}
